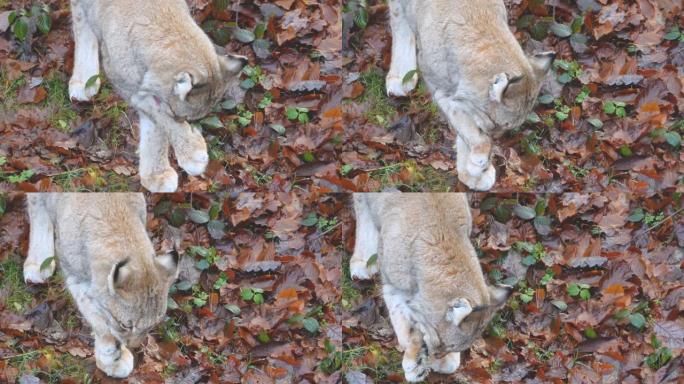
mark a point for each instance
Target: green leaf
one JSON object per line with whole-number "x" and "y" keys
{"x": 529, "y": 260}
{"x": 229, "y": 105}
{"x": 542, "y": 224}
{"x": 92, "y": 81}
{"x": 263, "y": 337}
{"x": 234, "y": 309}
{"x": 673, "y": 138}
{"x": 247, "y": 84}
{"x": 409, "y": 76}
{"x": 216, "y": 229}
{"x": 212, "y": 122}
{"x": 545, "y": 99}
{"x": 636, "y": 216}
{"x": 346, "y": 168}
{"x": 609, "y": 107}
{"x": 533, "y": 118}
{"x": 44, "y": 23}
{"x": 247, "y": 294}
{"x": 673, "y": 34}
{"x": 20, "y": 28}
{"x": 310, "y": 324}
{"x": 560, "y": 304}
{"x": 303, "y": 118}
{"x": 637, "y": 320}
{"x": 585, "y": 294}
{"x": 278, "y": 128}
{"x": 372, "y": 260}
{"x": 183, "y": 285}
{"x": 310, "y": 220}
{"x": 560, "y": 30}
{"x": 291, "y": 113}
{"x": 361, "y": 19}
{"x": 46, "y": 263}
{"x": 590, "y": 333}
{"x": 625, "y": 151}
{"x": 308, "y": 157}
{"x": 523, "y": 212}
{"x": 597, "y": 123}
{"x": 488, "y": 203}
{"x": 202, "y": 265}
{"x": 198, "y": 217}
{"x": 260, "y": 30}
{"x": 573, "y": 289}
{"x": 258, "y": 298}
{"x": 244, "y": 35}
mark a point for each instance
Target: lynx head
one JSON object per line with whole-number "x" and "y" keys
{"x": 136, "y": 297}
{"x": 513, "y": 95}
{"x": 197, "y": 90}
{"x": 464, "y": 322}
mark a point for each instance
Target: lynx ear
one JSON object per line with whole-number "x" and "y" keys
{"x": 541, "y": 63}
{"x": 458, "y": 311}
{"x": 183, "y": 85}
{"x": 232, "y": 64}
{"x": 118, "y": 276}
{"x": 498, "y": 87}
{"x": 168, "y": 263}
{"x": 499, "y": 294}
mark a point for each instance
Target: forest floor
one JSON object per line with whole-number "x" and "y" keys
{"x": 599, "y": 292}
{"x": 257, "y": 300}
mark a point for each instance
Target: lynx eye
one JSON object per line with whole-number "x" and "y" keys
{"x": 125, "y": 327}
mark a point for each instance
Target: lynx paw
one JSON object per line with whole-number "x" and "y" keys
{"x": 484, "y": 182}
{"x": 360, "y": 270}
{"x": 477, "y": 164}
{"x": 34, "y": 275}
{"x": 115, "y": 363}
{"x": 397, "y": 87}
{"x": 79, "y": 91}
{"x": 414, "y": 371}
{"x": 448, "y": 364}
{"x": 164, "y": 182}
{"x": 195, "y": 163}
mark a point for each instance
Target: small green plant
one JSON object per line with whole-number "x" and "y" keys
{"x": 297, "y": 113}
{"x": 650, "y": 219}
{"x": 616, "y": 108}
{"x": 579, "y": 290}
{"x": 535, "y": 251}
{"x": 548, "y": 276}
{"x": 661, "y": 356}
{"x": 344, "y": 170}
{"x": 254, "y": 76}
{"x": 25, "y": 23}
{"x": 325, "y": 224}
{"x": 333, "y": 361}
{"x": 571, "y": 70}
{"x": 21, "y": 177}
{"x": 575, "y": 170}
{"x": 208, "y": 256}
{"x": 244, "y": 116}
{"x": 255, "y": 295}
{"x": 671, "y": 136}
{"x": 221, "y": 280}
{"x": 199, "y": 297}
{"x": 562, "y": 111}
{"x": 584, "y": 93}
{"x": 675, "y": 34}
{"x": 526, "y": 295}
{"x": 266, "y": 100}
{"x": 12, "y": 280}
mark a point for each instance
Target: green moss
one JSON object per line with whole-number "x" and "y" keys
{"x": 381, "y": 109}
{"x": 61, "y": 111}
{"x": 12, "y": 281}
{"x": 9, "y": 90}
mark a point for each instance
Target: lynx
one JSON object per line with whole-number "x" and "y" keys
{"x": 164, "y": 65}
{"x": 108, "y": 263}
{"x": 432, "y": 283}
{"x": 475, "y": 69}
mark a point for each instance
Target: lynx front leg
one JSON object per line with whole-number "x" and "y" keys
{"x": 404, "y": 53}
{"x": 156, "y": 174}
{"x": 112, "y": 357}
{"x": 447, "y": 364}
{"x": 409, "y": 337}
{"x": 41, "y": 242}
{"x": 86, "y": 56}
{"x": 367, "y": 241}
{"x": 483, "y": 181}
{"x": 188, "y": 145}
